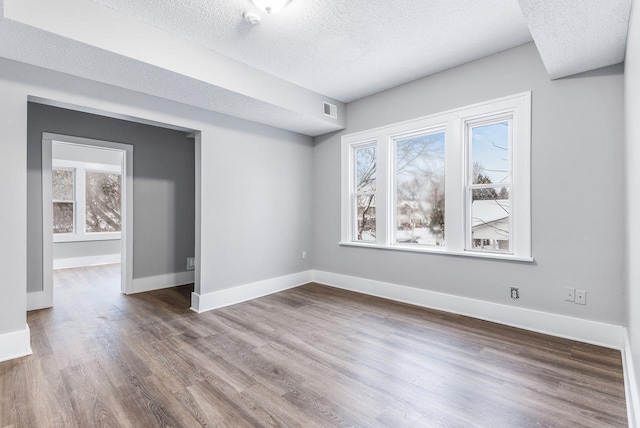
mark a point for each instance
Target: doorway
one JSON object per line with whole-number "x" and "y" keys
{"x": 87, "y": 201}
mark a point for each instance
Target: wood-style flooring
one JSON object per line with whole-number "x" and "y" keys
{"x": 313, "y": 356}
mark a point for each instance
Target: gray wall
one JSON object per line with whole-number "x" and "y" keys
{"x": 257, "y": 195}
{"x": 164, "y": 188}
{"x": 72, "y": 250}
{"x": 632, "y": 124}
{"x": 577, "y": 188}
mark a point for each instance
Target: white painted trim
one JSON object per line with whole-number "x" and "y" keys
{"x": 439, "y": 250}
{"x": 15, "y": 344}
{"x": 150, "y": 283}
{"x": 87, "y": 166}
{"x": 38, "y": 300}
{"x": 630, "y": 383}
{"x": 455, "y": 124}
{"x": 45, "y": 297}
{"x": 72, "y": 262}
{"x": 594, "y": 332}
{"x": 231, "y": 296}
{"x": 126, "y": 246}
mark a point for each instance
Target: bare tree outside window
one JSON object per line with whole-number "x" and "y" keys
{"x": 103, "y": 202}
{"x": 63, "y": 200}
{"x": 365, "y": 188}
{"x": 420, "y": 168}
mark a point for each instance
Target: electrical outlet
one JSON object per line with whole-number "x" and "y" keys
{"x": 569, "y": 294}
{"x": 581, "y": 297}
{"x": 191, "y": 263}
{"x": 304, "y": 254}
{"x": 515, "y": 292}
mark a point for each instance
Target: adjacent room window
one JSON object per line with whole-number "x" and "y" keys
{"x": 456, "y": 182}
{"x": 102, "y": 201}
{"x": 87, "y": 201}
{"x": 63, "y": 200}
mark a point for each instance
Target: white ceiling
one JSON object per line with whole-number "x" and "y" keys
{"x": 574, "y": 36}
{"x": 202, "y": 53}
{"x": 345, "y": 49}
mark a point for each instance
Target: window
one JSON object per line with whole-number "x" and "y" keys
{"x": 364, "y": 193}
{"x": 102, "y": 201}
{"x": 86, "y": 201}
{"x": 457, "y": 182}
{"x": 63, "y": 200}
{"x": 419, "y": 189}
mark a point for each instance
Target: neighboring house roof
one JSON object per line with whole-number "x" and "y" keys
{"x": 488, "y": 211}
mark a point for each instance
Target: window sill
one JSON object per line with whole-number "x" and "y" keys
{"x": 111, "y": 236}
{"x": 495, "y": 256}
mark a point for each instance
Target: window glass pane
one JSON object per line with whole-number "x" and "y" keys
{"x": 490, "y": 153}
{"x": 63, "y": 217}
{"x": 103, "y": 208}
{"x": 365, "y": 169}
{"x": 420, "y": 163}
{"x": 62, "y": 185}
{"x": 366, "y": 218}
{"x": 490, "y": 219}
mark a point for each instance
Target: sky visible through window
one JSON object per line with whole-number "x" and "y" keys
{"x": 490, "y": 149}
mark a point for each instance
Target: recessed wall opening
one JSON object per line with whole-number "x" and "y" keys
{"x": 86, "y": 234}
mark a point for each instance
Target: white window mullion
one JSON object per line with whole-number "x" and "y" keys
{"x": 454, "y": 208}
{"x": 382, "y": 191}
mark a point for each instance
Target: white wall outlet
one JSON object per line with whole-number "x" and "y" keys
{"x": 569, "y": 294}
{"x": 515, "y": 292}
{"x": 581, "y": 297}
{"x": 304, "y": 254}
{"x": 191, "y": 263}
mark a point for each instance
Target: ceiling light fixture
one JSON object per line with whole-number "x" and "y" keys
{"x": 270, "y": 6}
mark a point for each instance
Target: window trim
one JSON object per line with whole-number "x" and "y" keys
{"x": 457, "y": 211}
{"x": 393, "y": 141}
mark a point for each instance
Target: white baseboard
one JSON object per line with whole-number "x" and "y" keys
{"x": 230, "y": 296}
{"x": 15, "y": 344}
{"x": 38, "y": 300}
{"x": 597, "y": 333}
{"x": 150, "y": 283}
{"x": 73, "y": 262}
{"x": 630, "y": 383}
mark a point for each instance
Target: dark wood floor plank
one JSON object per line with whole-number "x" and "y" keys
{"x": 312, "y": 356}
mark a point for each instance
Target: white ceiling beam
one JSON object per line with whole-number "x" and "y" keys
{"x": 79, "y": 25}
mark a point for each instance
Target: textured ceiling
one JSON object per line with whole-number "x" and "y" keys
{"x": 202, "y": 53}
{"x": 574, "y": 36}
{"x": 343, "y": 49}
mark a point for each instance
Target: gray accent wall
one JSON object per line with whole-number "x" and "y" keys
{"x": 577, "y": 189}
{"x": 164, "y": 188}
{"x": 632, "y": 156}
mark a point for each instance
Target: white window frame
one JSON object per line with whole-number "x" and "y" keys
{"x": 436, "y": 129}
{"x": 80, "y": 169}
{"x": 457, "y": 190}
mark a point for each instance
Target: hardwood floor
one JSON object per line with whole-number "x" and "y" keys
{"x": 313, "y": 356}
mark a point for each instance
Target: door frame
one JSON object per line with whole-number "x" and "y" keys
{"x": 126, "y": 242}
